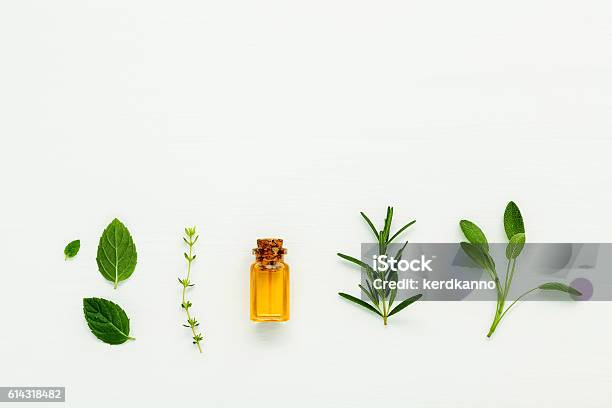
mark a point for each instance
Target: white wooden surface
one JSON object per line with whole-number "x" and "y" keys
{"x": 280, "y": 118}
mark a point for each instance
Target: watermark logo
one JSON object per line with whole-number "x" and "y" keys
{"x": 384, "y": 263}
{"x": 443, "y": 271}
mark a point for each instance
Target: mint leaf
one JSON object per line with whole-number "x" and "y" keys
{"x": 116, "y": 253}
{"x": 107, "y": 320}
{"x": 72, "y": 249}
{"x": 513, "y": 220}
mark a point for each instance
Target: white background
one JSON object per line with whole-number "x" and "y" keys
{"x": 286, "y": 118}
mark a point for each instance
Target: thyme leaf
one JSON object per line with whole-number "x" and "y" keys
{"x": 190, "y": 239}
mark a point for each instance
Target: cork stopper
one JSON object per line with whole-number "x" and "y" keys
{"x": 269, "y": 250}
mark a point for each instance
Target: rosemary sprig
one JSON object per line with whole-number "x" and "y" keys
{"x": 192, "y": 323}
{"x": 381, "y": 299}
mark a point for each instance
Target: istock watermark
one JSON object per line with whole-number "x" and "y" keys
{"x": 443, "y": 271}
{"x": 385, "y": 263}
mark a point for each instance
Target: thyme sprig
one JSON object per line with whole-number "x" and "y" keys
{"x": 190, "y": 239}
{"x": 382, "y": 299}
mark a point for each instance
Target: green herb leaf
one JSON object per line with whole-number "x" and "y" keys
{"x": 365, "y": 217}
{"x": 353, "y": 260}
{"x": 513, "y": 220}
{"x": 392, "y": 296}
{"x": 405, "y": 303}
{"x": 186, "y": 304}
{"x": 368, "y": 294}
{"x": 477, "y": 255}
{"x": 560, "y": 287}
{"x": 374, "y": 292}
{"x": 400, "y": 231}
{"x": 394, "y": 275}
{"x": 398, "y": 256}
{"x": 474, "y": 234}
{"x": 387, "y": 227}
{"x": 116, "y": 253}
{"x": 72, "y": 249}
{"x": 356, "y": 261}
{"x": 514, "y": 248}
{"x": 107, "y": 320}
{"x": 391, "y": 277}
{"x": 360, "y": 302}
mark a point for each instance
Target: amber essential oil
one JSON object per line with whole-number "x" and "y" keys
{"x": 269, "y": 282}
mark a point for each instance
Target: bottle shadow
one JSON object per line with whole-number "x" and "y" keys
{"x": 270, "y": 333}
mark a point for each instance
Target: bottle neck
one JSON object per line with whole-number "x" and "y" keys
{"x": 269, "y": 263}
{"x": 269, "y": 251}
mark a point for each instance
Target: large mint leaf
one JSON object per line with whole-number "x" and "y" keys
{"x": 116, "y": 253}
{"x": 106, "y": 320}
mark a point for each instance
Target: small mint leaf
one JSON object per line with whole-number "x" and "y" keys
{"x": 72, "y": 249}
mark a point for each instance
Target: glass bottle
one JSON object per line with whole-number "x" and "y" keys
{"x": 269, "y": 282}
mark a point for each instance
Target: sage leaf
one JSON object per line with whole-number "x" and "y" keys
{"x": 513, "y": 220}
{"x": 116, "y": 253}
{"x": 560, "y": 287}
{"x": 405, "y": 303}
{"x": 360, "y": 302}
{"x": 477, "y": 255}
{"x": 474, "y": 234}
{"x": 72, "y": 249}
{"x": 514, "y": 248}
{"x": 107, "y": 320}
